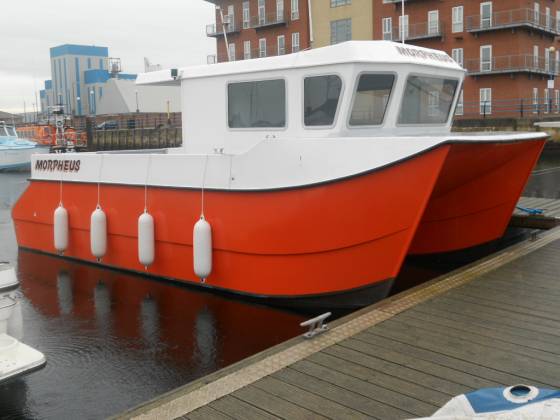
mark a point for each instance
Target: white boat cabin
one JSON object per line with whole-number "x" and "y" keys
{"x": 352, "y": 89}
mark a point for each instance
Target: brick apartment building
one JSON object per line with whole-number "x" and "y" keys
{"x": 259, "y": 28}
{"x": 509, "y": 48}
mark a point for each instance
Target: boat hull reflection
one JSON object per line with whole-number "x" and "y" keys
{"x": 196, "y": 328}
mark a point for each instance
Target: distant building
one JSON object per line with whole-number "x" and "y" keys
{"x": 86, "y": 81}
{"x": 509, "y": 49}
{"x": 259, "y": 28}
{"x": 123, "y": 96}
{"x": 68, "y": 86}
{"x": 335, "y": 21}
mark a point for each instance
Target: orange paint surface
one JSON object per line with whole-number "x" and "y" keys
{"x": 475, "y": 195}
{"x": 322, "y": 239}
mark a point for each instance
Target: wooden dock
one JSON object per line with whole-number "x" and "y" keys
{"x": 493, "y": 323}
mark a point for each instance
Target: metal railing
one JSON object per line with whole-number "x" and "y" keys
{"x": 270, "y": 19}
{"x": 271, "y": 51}
{"x": 421, "y": 30}
{"x": 513, "y": 18}
{"x": 511, "y": 108}
{"x": 216, "y": 29}
{"x": 512, "y": 64}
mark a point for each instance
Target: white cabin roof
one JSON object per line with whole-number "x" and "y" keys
{"x": 381, "y": 52}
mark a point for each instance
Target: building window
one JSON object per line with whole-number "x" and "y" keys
{"x": 403, "y": 27}
{"x": 457, "y": 19}
{"x": 371, "y": 99}
{"x": 556, "y": 100}
{"x": 427, "y": 100}
{"x": 246, "y": 50}
{"x": 558, "y": 20}
{"x": 535, "y": 100}
{"x": 262, "y": 47}
{"x": 230, "y": 17}
{"x": 486, "y": 14}
{"x": 460, "y": 108}
{"x": 262, "y": 12}
{"x": 537, "y": 12}
{"x": 546, "y": 101}
{"x": 231, "y": 48}
{"x": 485, "y": 101}
{"x": 433, "y": 22}
{"x": 387, "y": 24}
{"x": 281, "y": 44}
{"x": 295, "y": 9}
{"x": 536, "y": 56}
{"x": 279, "y": 10}
{"x": 295, "y": 42}
{"x": 486, "y": 58}
{"x": 321, "y": 96}
{"x": 89, "y": 63}
{"x": 341, "y": 30}
{"x": 457, "y": 55}
{"x": 548, "y": 17}
{"x": 246, "y": 15}
{"x": 547, "y": 60}
{"x": 336, "y": 3}
{"x": 260, "y": 104}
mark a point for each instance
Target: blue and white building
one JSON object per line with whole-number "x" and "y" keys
{"x": 86, "y": 81}
{"x": 79, "y": 73}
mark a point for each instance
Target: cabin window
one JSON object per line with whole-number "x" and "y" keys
{"x": 321, "y": 96}
{"x": 371, "y": 99}
{"x": 257, "y": 104}
{"x": 427, "y": 100}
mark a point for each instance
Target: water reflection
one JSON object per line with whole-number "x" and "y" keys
{"x": 122, "y": 339}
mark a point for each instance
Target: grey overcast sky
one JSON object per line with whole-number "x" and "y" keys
{"x": 169, "y": 32}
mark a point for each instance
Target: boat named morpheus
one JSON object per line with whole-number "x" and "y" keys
{"x": 307, "y": 177}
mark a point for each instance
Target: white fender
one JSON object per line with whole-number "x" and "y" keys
{"x": 60, "y": 224}
{"x": 146, "y": 239}
{"x": 15, "y": 322}
{"x": 202, "y": 248}
{"x": 98, "y": 233}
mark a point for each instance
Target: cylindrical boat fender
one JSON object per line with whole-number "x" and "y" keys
{"x": 98, "y": 233}
{"x": 61, "y": 228}
{"x": 202, "y": 248}
{"x": 15, "y": 322}
{"x": 146, "y": 239}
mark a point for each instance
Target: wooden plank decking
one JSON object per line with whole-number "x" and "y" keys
{"x": 493, "y": 323}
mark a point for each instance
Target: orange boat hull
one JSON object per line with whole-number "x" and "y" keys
{"x": 343, "y": 236}
{"x": 475, "y": 195}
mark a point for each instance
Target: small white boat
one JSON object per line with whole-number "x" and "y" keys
{"x": 15, "y": 153}
{"x": 16, "y": 358}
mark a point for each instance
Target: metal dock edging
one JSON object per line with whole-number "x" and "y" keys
{"x": 205, "y": 390}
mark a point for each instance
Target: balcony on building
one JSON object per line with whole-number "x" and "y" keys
{"x": 270, "y": 51}
{"x": 217, "y": 29}
{"x": 515, "y": 18}
{"x": 523, "y": 63}
{"x": 264, "y": 21}
{"x": 418, "y": 31}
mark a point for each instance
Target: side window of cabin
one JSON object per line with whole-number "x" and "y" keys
{"x": 259, "y": 104}
{"x": 321, "y": 96}
{"x": 427, "y": 100}
{"x": 371, "y": 99}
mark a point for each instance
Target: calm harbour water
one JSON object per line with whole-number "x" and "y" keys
{"x": 113, "y": 340}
